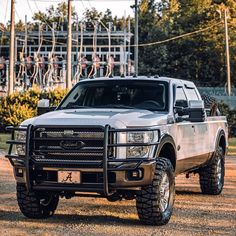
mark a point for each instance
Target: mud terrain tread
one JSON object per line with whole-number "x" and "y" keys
{"x": 148, "y": 198}
{"x": 29, "y": 204}
{"x": 208, "y": 175}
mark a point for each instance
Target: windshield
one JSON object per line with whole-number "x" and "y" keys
{"x": 128, "y": 94}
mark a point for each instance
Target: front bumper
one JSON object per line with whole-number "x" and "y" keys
{"x": 92, "y": 179}
{"x": 103, "y": 177}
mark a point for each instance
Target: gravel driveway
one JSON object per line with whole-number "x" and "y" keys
{"x": 194, "y": 213}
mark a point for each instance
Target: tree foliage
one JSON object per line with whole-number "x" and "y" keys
{"x": 199, "y": 57}
{"x": 55, "y": 15}
{"x": 18, "y": 107}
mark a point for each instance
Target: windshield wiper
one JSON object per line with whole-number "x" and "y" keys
{"x": 115, "y": 106}
{"x": 74, "y": 106}
{"x": 123, "y": 106}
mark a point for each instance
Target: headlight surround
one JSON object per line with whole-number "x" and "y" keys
{"x": 139, "y": 137}
{"x": 20, "y": 136}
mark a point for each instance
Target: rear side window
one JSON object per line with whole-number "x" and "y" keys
{"x": 191, "y": 94}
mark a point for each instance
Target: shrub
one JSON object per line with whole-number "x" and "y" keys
{"x": 230, "y": 114}
{"x": 18, "y": 107}
{"x": 55, "y": 96}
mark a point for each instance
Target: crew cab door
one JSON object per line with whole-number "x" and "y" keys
{"x": 185, "y": 135}
{"x": 201, "y": 133}
{"x": 192, "y": 139}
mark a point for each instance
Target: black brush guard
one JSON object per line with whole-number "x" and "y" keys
{"x": 105, "y": 164}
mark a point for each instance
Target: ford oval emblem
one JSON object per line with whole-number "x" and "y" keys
{"x": 70, "y": 145}
{"x": 68, "y": 133}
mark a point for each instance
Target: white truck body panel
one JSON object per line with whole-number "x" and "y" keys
{"x": 119, "y": 138}
{"x": 192, "y": 139}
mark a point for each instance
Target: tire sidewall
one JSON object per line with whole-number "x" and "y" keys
{"x": 30, "y": 202}
{"x": 168, "y": 211}
{"x": 148, "y": 200}
{"x": 220, "y": 156}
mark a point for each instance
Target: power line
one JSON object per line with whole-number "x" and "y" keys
{"x": 84, "y": 0}
{"x": 4, "y": 30}
{"x": 83, "y": 5}
{"x": 5, "y": 17}
{"x": 179, "y": 36}
{"x": 89, "y": 3}
{"x": 152, "y": 43}
{"x": 17, "y": 14}
{"x": 42, "y": 18}
{"x": 30, "y": 7}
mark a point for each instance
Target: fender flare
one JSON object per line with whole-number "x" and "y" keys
{"x": 166, "y": 139}
{"x": 220, "y": 134}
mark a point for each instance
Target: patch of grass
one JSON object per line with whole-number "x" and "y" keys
{"x": 3, "y": 139}
{"x": 232, "y": 142}
{"x": 232, "y": 147}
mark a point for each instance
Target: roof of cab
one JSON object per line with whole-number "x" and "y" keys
{"x": 153, "y": 78}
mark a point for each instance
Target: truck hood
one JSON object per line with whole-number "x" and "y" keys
{"x": 117, "y": 118}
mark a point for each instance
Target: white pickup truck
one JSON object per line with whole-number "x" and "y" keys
{"x": 119, "y": 138}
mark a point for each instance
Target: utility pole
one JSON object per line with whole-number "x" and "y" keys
{"x": 77, "y": 40}
{"x": 39, "y": 34}
{"x": 69, "y": 46}
{"x": 227, "y": 51}
{"x": 129, "y": 65}
{"x": 125, "y": 35}
{"x": 12, "y": 50}
{"x": 26, "y": 32}
{"x": 136, "y": 39}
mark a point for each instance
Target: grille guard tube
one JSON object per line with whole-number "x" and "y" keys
{"x": 106, "y": 145}
{"x": 27, "y": 149}
{"x": 105, "y": 157}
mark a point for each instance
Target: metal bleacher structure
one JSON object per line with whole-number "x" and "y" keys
{"x": 40, "y": 56}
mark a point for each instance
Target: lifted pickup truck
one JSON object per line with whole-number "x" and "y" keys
{"x": 119, "y": 138}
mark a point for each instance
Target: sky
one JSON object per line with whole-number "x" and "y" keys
{"x": 28, "y": 7}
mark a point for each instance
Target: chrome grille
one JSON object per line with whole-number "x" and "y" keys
{"x": 68, "y": 144}
{"x": 56, "y": 134}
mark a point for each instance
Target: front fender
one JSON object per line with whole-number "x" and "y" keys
{"x": 169, "y": 152}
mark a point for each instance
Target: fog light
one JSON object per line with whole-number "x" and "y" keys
{"x": 19, "y": 172}
{"x": 135, "y": 174}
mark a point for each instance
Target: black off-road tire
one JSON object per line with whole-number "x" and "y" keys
{"x": 211, "y": 177}
{"x": 36, "y": 205}
{"x": 211, "y": 104}
{"x": 149, "y": 200}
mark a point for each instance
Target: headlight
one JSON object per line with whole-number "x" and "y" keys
{"x": 139, "y": 137}
{"x": 20, "y": 148}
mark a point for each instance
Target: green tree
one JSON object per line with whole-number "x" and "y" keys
{"x": 200, "y": 57}
{"x": 55, "y": 15}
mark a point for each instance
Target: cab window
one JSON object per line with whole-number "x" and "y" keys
{"x": 181, "y": 99}
{"x": 191, "y": 94}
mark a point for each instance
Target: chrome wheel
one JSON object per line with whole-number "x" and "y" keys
{"x": 219, "y": 171}
{"x": 155, "y": 202}
{"x": 212, "y": 176}
{"x": 164, "y": 192}
{"x": 46, "y": 200}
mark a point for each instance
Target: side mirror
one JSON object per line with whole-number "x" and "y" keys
{"x": 44, "y": 107}
{"x": 43, "y": 103}
{"x": 181, "y": 107}
{"x": 196, "y": 111}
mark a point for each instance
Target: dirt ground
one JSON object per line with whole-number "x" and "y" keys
{"x": 194, "y": 213}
